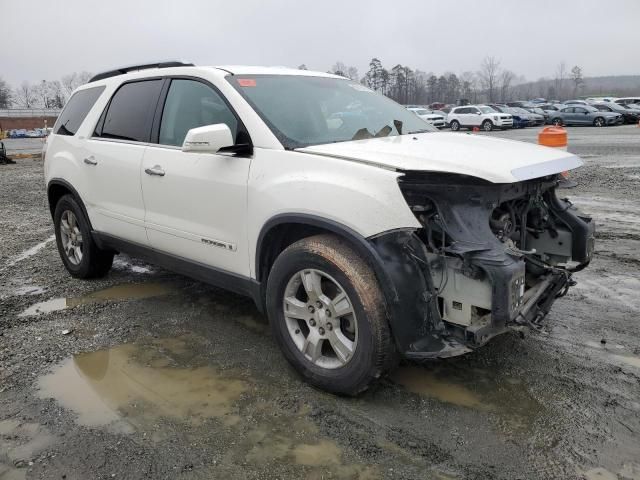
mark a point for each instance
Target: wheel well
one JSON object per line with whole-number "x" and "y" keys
{"x": 55, "y": 192}
{"x": 277, "y": 239}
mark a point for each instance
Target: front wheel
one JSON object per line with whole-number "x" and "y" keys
{"x": 599, "y": 122}
{"x": 327, "y": 314}
{"x": 455, "y": 126}
{"x": 487, "y": 125}
{"x": 79, "y": 253}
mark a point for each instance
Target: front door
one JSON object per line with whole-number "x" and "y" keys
{"x": 196, "y": 203}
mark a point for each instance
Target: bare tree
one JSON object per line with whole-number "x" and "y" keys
{"x": 74, "y": 80}
{"x": 24, "y": 95}
{"x": 506, "y": 77}
{"x": 561, "y": 75}
{"x": 469, "y": 86}
{"x": 576, "y": 78}
{"x": 489, "y": 71}
{"x": 5, "y": 94}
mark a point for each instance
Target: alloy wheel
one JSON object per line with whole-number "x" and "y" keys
{"x": 71, "y": 237}
{"x": 320, "y": 318}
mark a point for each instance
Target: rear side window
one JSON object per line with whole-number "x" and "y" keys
{"x": 192, "y": 104}
{"x": 130, "y": 112}
{"x": 76, "y": 110}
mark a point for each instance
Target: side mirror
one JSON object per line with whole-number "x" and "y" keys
{"x": 208, "y": 139}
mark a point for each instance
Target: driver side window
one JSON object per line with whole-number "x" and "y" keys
{"x": 192, "y": 104}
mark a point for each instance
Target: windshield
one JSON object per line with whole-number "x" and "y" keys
{"x": 589, "y": 108}
{"x": 304, "y": 110}
{"x": 486, "y": 109}
{"x": 520, "y": 110}
{"x": 421, "y": 111}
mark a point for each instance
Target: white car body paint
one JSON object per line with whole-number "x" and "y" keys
{"x": 493, "y": 159}
{"x": 211, "y": 208}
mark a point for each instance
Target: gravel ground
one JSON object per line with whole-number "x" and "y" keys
{"x": 147, "y": 374}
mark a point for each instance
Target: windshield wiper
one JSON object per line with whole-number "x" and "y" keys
{"x": 362, "y": 134}
{"x": 424, "y": 130}
{"x": 383, "y": 132}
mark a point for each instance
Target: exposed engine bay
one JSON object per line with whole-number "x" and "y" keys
{"x": 498, "y": 255}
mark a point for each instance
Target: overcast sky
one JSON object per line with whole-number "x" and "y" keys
{"x": 47, "y": 39}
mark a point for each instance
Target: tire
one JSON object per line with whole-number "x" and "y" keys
{"x": 557, "y": 122}
{"x": 455, "y": 126}
{"x": 365, "y": 347}
{"x": 599, "y": 122}
{"x": 487, "y": 125}
{"x": 79, "y": 253}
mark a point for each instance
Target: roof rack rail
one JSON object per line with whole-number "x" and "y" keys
{"x": 133, "y": 68}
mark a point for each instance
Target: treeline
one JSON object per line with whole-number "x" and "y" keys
{"x": 43, "y": 94}
{"x": 490, "y": 83}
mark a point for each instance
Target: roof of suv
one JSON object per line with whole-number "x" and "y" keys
{"x": 170, "y": 68}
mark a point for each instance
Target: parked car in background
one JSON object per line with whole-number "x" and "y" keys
{"x": 592, "y": 100}
{"x": 518, "y": 120}
{"x": 575, "y": 102}
{"x": 538, "y": 111}
{"x": 628, "y": 100}
{"x": 533, "y": 118}
{"x": 434, "y": 119}
{"x": 585, "y": 115}
{"x": 520, "y": 104}
{"x": 629, "y": 114}
{"x": 481, "y": 116}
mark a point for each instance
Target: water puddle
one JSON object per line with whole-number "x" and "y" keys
{"x": 133, "y": 291}
{"x": 426, "y": 383}
{"x": 113, "y": 387}
{"x": 135, "y": 388}
{"x": 475, "y": 389}
{"x": 629, "y": 360}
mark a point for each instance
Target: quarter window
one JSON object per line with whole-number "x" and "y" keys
{"x": 76, "y": 110}
{"x": 192, "y": 104}
{"x": 131, "y": 110}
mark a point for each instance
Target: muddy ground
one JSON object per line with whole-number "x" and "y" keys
{"x": 147, "y": 374}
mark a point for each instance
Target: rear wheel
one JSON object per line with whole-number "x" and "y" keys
{"x": 487, "y": 125}
{"x": 599, "y": 122}
{"x": 79, "y": 253}
{"x": 327, "y": 314}
{"x": 455, "y": 126}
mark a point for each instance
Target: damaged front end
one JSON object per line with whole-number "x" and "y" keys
{"x": 488, "y": 257}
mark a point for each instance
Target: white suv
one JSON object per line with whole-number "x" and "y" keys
{"x": 481, "y": 116}
{"x": 428, "y": 116}
{"x": 362, "y": 235}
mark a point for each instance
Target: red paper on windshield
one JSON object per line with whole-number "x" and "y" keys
{"x": 247, "y": 82}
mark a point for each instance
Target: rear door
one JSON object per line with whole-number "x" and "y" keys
{"x": 114, "y": 158}
{"x": 196, "y": 207}
{"x": 463, "y": 116}
{"x": 474, "y": 118}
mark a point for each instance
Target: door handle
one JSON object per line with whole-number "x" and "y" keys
{"x": 156, "y": 170}
{"x": 90, "y": 160}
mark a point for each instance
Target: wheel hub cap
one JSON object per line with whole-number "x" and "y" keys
{"x": 320, "y": 318}
{"x": 71, "y": 237}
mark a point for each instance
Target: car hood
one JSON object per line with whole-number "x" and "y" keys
{"x": 431, "y": 116}
{"x": 493, "y": 159}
